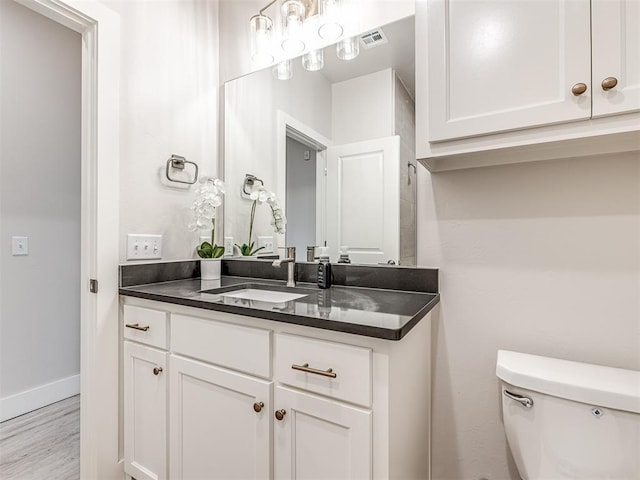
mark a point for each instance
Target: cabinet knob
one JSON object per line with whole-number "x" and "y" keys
{"x": 579, "y": 89}
{"x": 280, "y": 414}
{"x": 257, "y": 407}
{"x": 609, "y": 83}
{"x": 157, "y": 370}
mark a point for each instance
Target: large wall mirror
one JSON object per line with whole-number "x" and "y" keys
{"x": 337, "y": 148}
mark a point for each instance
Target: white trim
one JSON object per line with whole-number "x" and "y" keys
{"x": 100, "y": 151}
{"x": 29, "y": 400}
{"x": 286, "y": 122}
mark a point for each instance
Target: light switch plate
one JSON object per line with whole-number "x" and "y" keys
{"x": 19, "y": 246}
{"x": 144, "y": 247}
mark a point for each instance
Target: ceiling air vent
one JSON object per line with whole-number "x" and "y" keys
{"x": 373, "y": 39}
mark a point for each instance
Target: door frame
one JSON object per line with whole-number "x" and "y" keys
{"x": 288, "y": 126}
{"x": 100, "y": 455}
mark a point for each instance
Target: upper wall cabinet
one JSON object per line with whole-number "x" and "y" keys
{"x": 615, "y": 51}
{"x": 496, "y": 66}
{"x": 503, "y": 82}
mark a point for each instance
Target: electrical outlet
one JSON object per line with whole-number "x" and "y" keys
{"x": 228, "y": 247}
{"x": 267, "y": 243}
{"x": 144, "y": 247}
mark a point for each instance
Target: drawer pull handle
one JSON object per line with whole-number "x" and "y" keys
{"x": 280, "y": 414}
{"x": 157, "y": 370}
{"x": 136, "y": 326}
{"x": 257, "y": 407}
{"x": 305, "y": 368}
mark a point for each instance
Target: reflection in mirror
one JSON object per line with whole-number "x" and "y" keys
{"x": 335, "y": 146}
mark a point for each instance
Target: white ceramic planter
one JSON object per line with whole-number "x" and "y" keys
{"x": 210, "y": 268}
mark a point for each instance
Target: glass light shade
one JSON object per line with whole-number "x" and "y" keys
{"x": 292, "y": 46}
{"x": 261, "y": 29}
{"x": 348, "y": 49}
{"x": 292, "y": 14}
{"x": 313, "y": 60}
{"x": 292, "y": 33}
{"x": 329, "y": 26}
{"x": 283, "y": 70}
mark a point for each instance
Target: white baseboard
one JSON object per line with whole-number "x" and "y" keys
{"x": 38, "y": 397}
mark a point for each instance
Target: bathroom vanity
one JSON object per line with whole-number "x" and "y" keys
{"x": 332, "y": 384}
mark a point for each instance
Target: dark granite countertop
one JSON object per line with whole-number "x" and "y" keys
{"x": 373, "y": 312}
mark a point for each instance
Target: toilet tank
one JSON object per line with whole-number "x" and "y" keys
{"x": 568, "y": 419}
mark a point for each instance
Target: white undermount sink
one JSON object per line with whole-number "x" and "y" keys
{"x": 271, "y": 296}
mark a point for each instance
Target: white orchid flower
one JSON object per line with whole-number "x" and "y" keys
{"x": 208, "y": 197}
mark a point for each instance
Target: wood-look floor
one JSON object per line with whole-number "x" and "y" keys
{"x": 43, "y": 444}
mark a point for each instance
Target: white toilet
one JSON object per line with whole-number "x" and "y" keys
{"x": 570, "y": 420}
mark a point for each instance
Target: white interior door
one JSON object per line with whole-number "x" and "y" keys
{"x": 363, "y": 204}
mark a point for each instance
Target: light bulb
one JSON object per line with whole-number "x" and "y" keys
{"x": 313, "y": 60}
{"x": 348, "y": 49}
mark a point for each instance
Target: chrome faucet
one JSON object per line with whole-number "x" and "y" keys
{"x": 291, "y": 267}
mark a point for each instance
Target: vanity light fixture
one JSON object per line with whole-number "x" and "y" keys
{"x": 313, "y": 60}
{"x": 283, "y": 70}
{"x": 293, "y": 14}
{"x": 261, "y": 33}
{"x": 348, "y": 48}
{"x": 305, "y": 24}
{"x": 329, "y": 26}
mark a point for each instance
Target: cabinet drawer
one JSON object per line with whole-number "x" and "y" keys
{"x": 245, "y": 349}
{"x": 305, "y": 362}
{"x": 145, "y": 325}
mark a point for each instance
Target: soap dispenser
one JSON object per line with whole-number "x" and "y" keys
{"x": 324, "y": 269}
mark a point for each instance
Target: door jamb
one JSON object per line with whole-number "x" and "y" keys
{"x": 99, "y": 26}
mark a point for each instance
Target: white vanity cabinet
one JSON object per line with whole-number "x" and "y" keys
{"x": 145, "y": 393}
{"x": 219, "y": 413}
{"x": 254, "y": 398}
{"x": 220, "y": 423}
{"x": 322, "y": 436}
{"x": 497, "y": 75}
{"x": 316, "y": 437}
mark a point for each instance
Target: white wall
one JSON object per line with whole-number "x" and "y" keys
{"x": 362, "y": 107}
{"x": 169, "y": 104}
{"x": 542, "y": 258}
{"x": 40, "y": 199}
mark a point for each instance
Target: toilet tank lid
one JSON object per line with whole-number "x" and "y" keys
{"x": 592, "y": 384}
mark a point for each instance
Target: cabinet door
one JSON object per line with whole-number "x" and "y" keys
{"x": 216, "y": 432}
{"x": 616, "y": 54}
{"x": 498, "y": 65}
{"x": 145, "y": 412}
{"x": 321, "y": 438}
